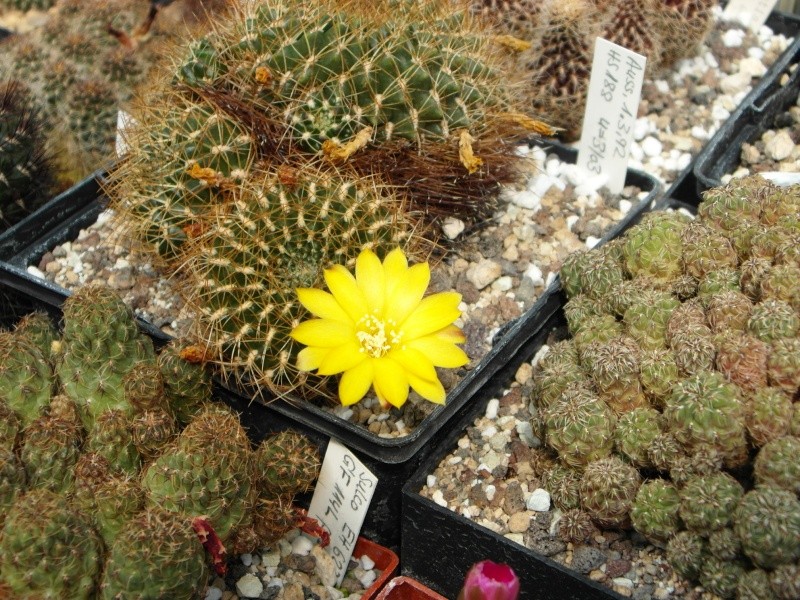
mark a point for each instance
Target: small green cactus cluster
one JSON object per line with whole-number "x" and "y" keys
{"x": 25, "y": 166}
{"x": 82, "y": 65}
{"x": 109, "y": 454}
{"x": 25, "y": 5}
{"x": 683, "y": 371}
{"x": 561, "y": 34}
{"x": 294, "y": 136}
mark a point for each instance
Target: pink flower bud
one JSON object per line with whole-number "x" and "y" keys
{"x": 488, "y": 580}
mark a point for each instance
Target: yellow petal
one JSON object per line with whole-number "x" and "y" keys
{"x": 390, "y": 381}
{"x": 324, "y": 333}
{"x": 433, "y": 313}
{"x": 370, "y": 279}
{"x": 430, "y": 390}
{"x": 414, "y": 362}
{"x": 344, "y": 288}
{"x": 406, "y": 296}
{"x": 355, "y": 383}
{"x": 441, "y": 352}
{"x": 322, "y": 304}
{"x": 452, "y": 334}
{"x": 342, "y": 358}
{"x": 311, "y": 357}
{"x": 394, "y": 267}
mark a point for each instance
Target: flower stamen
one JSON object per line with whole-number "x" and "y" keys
{"x": 373, "y": 336}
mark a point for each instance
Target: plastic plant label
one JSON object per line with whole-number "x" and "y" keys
{"x": 341, "y": 498}
{"x": 750, "y": 13}
{"x": 615, "y": 88}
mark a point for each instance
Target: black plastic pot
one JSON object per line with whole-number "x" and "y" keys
{"x": 432, "y": 530}
{"x": 775, "y": 92}
{"x": 391, "y": 459}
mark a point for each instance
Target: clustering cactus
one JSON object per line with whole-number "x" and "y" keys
{"x": 296, "y": 135}
{"x": 694, "y": 387}
{"x": 101, "y": 486}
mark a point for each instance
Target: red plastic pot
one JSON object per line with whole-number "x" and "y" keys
{"x": 406, "y": 588}
{"x": 384, "y": 559}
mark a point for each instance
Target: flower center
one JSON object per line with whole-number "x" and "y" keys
{"x": 377, "y": 337}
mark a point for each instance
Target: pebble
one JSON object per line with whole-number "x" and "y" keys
{"x": 586, "y": 559}
{"x": 452, "y": 227}
{"x": 539, "y": 500}
{"x": 483, "y": 273}
{"x": 780, "y": 146}
{"x": 651, "y": 146}
{"x": 735, "y": 82}
{"x": 302, "y": 545}
{"x": 249, "y": 586}
{"x": 518, "y": 523}
{"x": 325, "y": 568}
{"x": 491, "y": 408}
{"x": 213, "y": 593}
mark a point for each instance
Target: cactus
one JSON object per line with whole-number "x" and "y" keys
{"x": 776, "y": 464}
{"x": 658, "y": 373}
{"x": 287, "y": 463}
{"x": 100, "y": 344}
{"x": 38, "y": 328}
{"x": 615, "y": 372}
{"x": 627, "y": 25}
{"x": 742, "y": 358}
{"x": 688, "y": 316}
{"x": 551, "y": 381}
{"x": 767, "y": 521}
{"x": 782, "y": 282}
{"x": 27, "y": 5}
{"x": 706, "y": 411}
{"x": 111, "y": 437}
{"x": 772, "y": 320}
{"x": 575, "y": 526}
{"x": 784, "y": 581}
{"x": 754, "y": 585}
{"x": 751, "y": 272}
{"x": 708, "y": 501}
{"x": 783, "y": 365}
{"x": 25, "y": 169}
{"x": 720, "y": 576}
{"x": 187, "y": 384}
{"x": 687, "y": 551}
{"x": 634, "y": 433}
{"x": 12, "y": 481}
{"x": 664, "y": 450}
{"x": 156, "y": 555}
{"x": 608, "y": 488}
{"x": 724, "y": 544}
{"x": 705, "y": 250}
{"x": 48, "y": 549}
{"x": 684, "y": 23}
{"x": 580, "y": 426}
{"x": 152, "y": 430}
{"x": 646, "y": 319}
{"x": 725, "y": 207}
{"x": 270, "y": 520}
{"x": 143, "y": 387}
{"x": 50, "y": 449}
{"x": 10, "y": 427}
{"x": 728, "y": 310}
{"x": 715, "y": 282}
{"x": 769, "y": 415}
{"x": 26, "y": 377}
{"x": 653, "y": 248}
{"x": 654, "y": 513}
{"x": 694, "y": 350}
{"x": 563, "y": 484}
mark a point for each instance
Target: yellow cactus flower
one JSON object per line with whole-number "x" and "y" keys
{"x": 378, "y": 330}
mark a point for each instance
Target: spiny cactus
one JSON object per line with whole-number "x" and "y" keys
{"x": 26, "y": 377}
{"x": 187, "y": 383}
{"x": 48, "y": 549}
{"x": 655, "y": 510}
{"x": 27, "y": 5}
{"x": 684, "y": 23}
{"x": 25, "y": 169}
{"x": 708, "y": 501}
{"x": 608, "y": 488}
{"x": 767, "y": 521}
{"x": 286, "y": 463}
{"x": 776, "y": 464}
{"x": 50, "y": 449}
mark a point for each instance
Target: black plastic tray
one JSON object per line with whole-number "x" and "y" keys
{"x": 432, "y": 530}
{"x": 391, "y": 459}
{"x": 755, "y": 114}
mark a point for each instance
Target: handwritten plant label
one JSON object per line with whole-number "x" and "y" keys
{"x": 750, "y": 13}
{"x": 615, "y": 88}
{"x": 340, "y": 502}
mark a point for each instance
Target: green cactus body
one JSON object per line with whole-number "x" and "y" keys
{"x": 552, "y": 381}
{"x": 720, "y": 576}
{"x": 646, "y": 320}
{"x": 705, "y": 250}
{"x": 579, "y": 309}
{"x": 143, "y": 387}
{"x": 725, "y": 207}
{"x": 10, "y": 427}
{"x": 615, "y": 373}
{"x": 563, "y": 484}
{"x": 688, "y": 316}
{"x": 728, "y": 310}
{"x": 769, "y": 415}
{"x": 783, "y": 365}
{"x": 724, "y": 544}
{"x": 12, "y": 481}
{"x": 100, "y": 344}
{"x": 50, "y": 449}
{"x": 741, "y": 238}
{"x": 197, "y": 484}
{"x": 664, "y": 450}
{"x": 782, "y": 283}
{"x": 765, "y": 242}
{"x": 608, "y": 488}
{"x": 634, "y": 433}
{"x": 772, "y": 320}
{"x": 751, "y": 272}
{"x": 216, "y": 428}
{"x": 25, "y": 171}
{"x": 784, "y": 581}
{"x": 599, "y": 274}
{"x": 26, "y": 378}
{"x": 658, "y": 373}
{"x": 580, "y": 427}
{"x": 767, "y": 521}
{"x": 187, "y": 385}
{"x": 156, "y": 555}
{"x": 714, "y": 282}
{"x": 654, "y": 247}
{"x": 112, "y": 437}
{"x": 152, "y": 432}
{"x": 595, "y": 329}
{"x": 654, "y": 513}
{"x": 776, "y": 464}
{"x": 778, "y": 203}
{"x": 561, "y": 353}
{"x": 38, "y": 328}
{"x": 286, "y": 463}
{"x": 742, "y": 358}
{"x": 49, "y": 550}
{"x": 687, "y": 551}
{"x": 570, "y": 273}
{"x": 706, "y": 411}
{"x": 708, "y": 501}
{"x": 694, "y": 350}
{"x": 754, "y": 585}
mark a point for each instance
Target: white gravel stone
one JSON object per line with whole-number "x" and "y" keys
{"x": 491, "y": 490}
{"x": 780, "y": 146}
{"x": 503, "y": 284}
{"x": 752, "y": 66}
{"x": 247, "y": 559}
{"x": 452, "y": 227}
{"x": 734, "y": 83}
{"x": 438, "y": 498}
{"x": 35, "y": 272}
{"x": 525, "y": 432}
{"x": 526, "y": 198}
{"x": 625, "y": 206}
{"x": 325, "y": 568}
{"x": 213, "y": 593}
{"x": 249, "y": 586}
{"x": 733, "y": 38}
{"x": 430, "y": 481}
{"x": 719, "y": 113}
{"x": 491, "y": 408}
{"x": 652, "y": 146}
{"x": 539, "y": 500}
{"x": 271, "y": 558}
{"x": 302, "y": 545}
{"x": 366, "y": 562}
{"x": 483, "y": 273}
{"x": 592, "y": 241}
{"x": 623, "y": 582}
{"x": 367, "y": 578}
